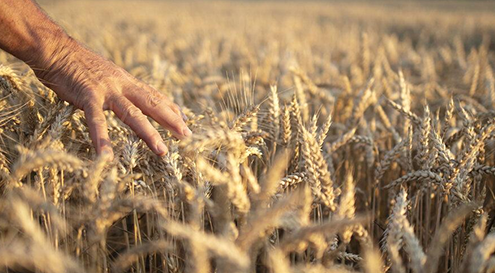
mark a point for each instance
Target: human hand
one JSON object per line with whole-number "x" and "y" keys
{"x": 94, "y": 84}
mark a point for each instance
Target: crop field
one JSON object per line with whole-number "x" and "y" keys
{"x": 327, "y": 137}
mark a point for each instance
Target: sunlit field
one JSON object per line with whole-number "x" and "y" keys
{"x": 327, "y": 137}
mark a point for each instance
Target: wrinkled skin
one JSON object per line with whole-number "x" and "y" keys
{"x": 94, "y": 84}
{"x": 85, "y": 79}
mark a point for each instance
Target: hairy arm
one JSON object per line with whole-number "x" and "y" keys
{"x": 85, "y": 79}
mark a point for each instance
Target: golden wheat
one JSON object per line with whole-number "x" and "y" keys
{"x": 328, "y": 137}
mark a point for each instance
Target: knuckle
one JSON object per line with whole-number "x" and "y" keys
{"x": 141, "y": 120}
{"x": 154, "y": 98}
{"x": 129, "y": 112}
{"x": 175, "y": 108}
{"x": 134, "y": 112}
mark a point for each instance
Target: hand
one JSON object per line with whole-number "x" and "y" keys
{"x": 94, "y": 84}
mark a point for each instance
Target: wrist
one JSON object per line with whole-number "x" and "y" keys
{"x": 51, "y": 52}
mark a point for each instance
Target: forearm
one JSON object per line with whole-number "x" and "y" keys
{"x": 85, "y": 79}
{"x": 29, "y": 34}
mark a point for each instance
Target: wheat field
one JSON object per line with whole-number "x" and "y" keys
{"x": 327, "y": 137}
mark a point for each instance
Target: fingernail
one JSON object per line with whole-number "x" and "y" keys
{"x": 161, "y": 148}
{"x": 186, "y": 132}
